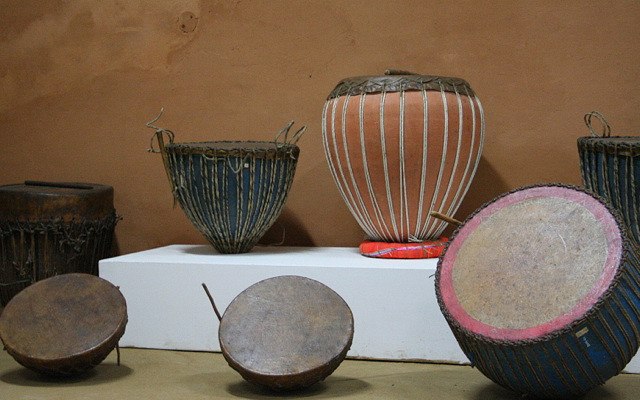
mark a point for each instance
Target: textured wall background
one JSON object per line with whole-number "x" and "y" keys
{"x": 79, "y": 79}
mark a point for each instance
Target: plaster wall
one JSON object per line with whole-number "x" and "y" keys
{"x": 79, "y": 79}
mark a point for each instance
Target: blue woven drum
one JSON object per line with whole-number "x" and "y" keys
{"x": 231, "y": 191}
{"x": 610, "y": 167}
{"x": 541, "y": 288}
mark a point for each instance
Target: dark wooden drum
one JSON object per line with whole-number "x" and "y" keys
{"x": 541, "y": 288}
{"x": 49, "y": 228}
{"x": 286, "y": 332}
{"x": 64, "y": 325}
{"x": 610, "y": 167}
{"x": 232, "y": 192}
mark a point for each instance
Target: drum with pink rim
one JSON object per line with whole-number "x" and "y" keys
{"x": 400, "y": 146}
{"x": 541, "y": 288}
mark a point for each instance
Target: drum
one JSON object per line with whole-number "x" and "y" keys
{"x": 401, "y": 146}
{"x": 51, "y": 228}
{"x": 64, "y": 325}
{"x": 286, "y": 333}
{"x": 541, "y": 288}
{"x": 610, "y": 167}
{"x": 232, "y": 192}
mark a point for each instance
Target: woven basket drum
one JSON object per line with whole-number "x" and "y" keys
{"x": 47, "y": 229}
{"x": 541, "y": 288}
{"x": 400, "y": 146}
{"x": 610, "y": 167}
{"x": 231, "y": 191}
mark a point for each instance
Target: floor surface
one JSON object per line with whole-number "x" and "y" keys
{"x": 159, "y": 374}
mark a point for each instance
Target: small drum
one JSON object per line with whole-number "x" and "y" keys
{"x": 610, "y": 167}
{"x": 399, "y": 147}
{"x": 231, "y": 191}
{"x": 286, "y": 333}
{"x": 49, "y": 228}
{"x": 541, "y": 288}
{"x": 64, "y": 325}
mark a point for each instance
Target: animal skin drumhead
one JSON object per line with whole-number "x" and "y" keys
{"x": 530, "y": 263}
{"x": 286, "y": 332}
{"x": 65, "y": 324}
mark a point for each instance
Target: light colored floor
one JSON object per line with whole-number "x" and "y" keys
{"x": 159, "y": 374}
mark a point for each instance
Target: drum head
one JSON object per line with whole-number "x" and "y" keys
{"x": 530, "y": 263}
{"x": 64, "y": 324}
{"x": 286, "y": 332}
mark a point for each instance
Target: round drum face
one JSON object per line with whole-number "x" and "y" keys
{"x": 62, "y": 317}
{"x": 284, "y": 327}
{"x": 530, "y": 263}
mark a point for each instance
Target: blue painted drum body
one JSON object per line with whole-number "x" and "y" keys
{"x": 232, "y": 191}
{"x": 610, "y": 167}
{"x": 573, "y": 348}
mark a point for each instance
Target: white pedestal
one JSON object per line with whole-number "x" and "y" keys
{"x": 393, "y": 301}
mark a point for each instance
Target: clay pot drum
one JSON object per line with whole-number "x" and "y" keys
{"x": 400, "y": 146}
{"x": 541, "y": 288}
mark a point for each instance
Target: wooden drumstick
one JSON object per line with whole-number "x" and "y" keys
{"x": 213, "y": 304}
{"x": 445, "y": 218}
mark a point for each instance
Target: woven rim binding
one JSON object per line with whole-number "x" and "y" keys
{"x": 398, "y": 83}
{"x": 611, "y": 145}
{"x": 257, "y": 149}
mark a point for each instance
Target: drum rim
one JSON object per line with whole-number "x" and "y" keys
{"x": 369, "y": 84}
{"x": 115, "y": 335}
{"x": 255, "y": 148}
{"x": 310, "y": 374}
{"x": 614, "y": 147}
{"x": 626, "y": 245}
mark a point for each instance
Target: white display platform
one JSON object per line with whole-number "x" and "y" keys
{"x": 393, "y": 302}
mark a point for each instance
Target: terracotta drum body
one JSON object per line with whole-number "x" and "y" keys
{"x": 401, "y": 146}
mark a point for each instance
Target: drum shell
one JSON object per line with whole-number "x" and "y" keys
{"x": 232, "y": 197}
{"x": 286, "y": 333}
{"x": 571, "y": 361}
{"x": 64, "y": 325}
{"x": 47, "y": 231}
{"x": 610, "y": 167}
{"x": 399, "y": 152}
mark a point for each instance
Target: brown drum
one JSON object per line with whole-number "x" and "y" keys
{"x": 51, "y": 228}
{"x": 64, "y": 325}
{"x": 400, "y": 146}
{"x": 286, "y": 332}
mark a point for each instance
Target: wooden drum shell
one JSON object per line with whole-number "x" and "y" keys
{"x": 47, "y": 229}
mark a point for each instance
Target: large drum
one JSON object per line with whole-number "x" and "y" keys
{"x": 51, "y": 228}
{"x": 64, "y": 325}
{"x": 610, "y": 167}
{"x": 232, "y": 192}
{"x": 286, "y": 333}
{"x": 541, "y": 288}
{"x": 400, "y": 146}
